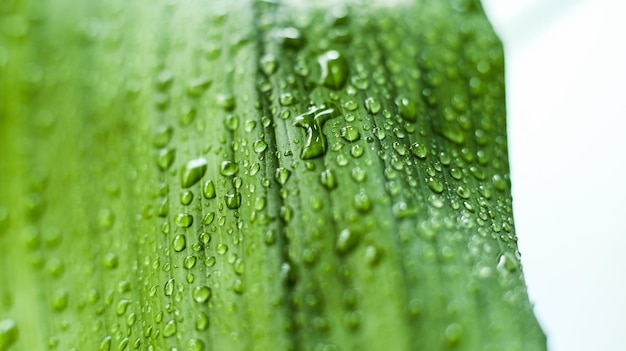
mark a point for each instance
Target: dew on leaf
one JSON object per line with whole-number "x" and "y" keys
{"x": 179, "y": 243}
{"x": 192, "y": 171}
{"x": 183, "y": 220}
{"x": 334, "y": 69}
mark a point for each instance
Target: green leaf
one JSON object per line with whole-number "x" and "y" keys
{"x": 256, "y": 175}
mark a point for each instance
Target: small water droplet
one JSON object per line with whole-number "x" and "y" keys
{"x": 111, "y": 261}
{"x": 166, "y": 158}
{"x": 169, "y": 328}
{"x": 290, "y": 37}
{"x": 195, "y": 345}
{"x": 357, "y": 150}
{"x": 202, "y": 321}
{"x": 346, "y": 241}
{"x": 282, "y": 175}
{"x": 228, "y": 168}
{"x": 226, "y": 101}
{"x": 196, "y": 86}
{"x": 259, "y": 146}
{"x": 372, "y": 105}
{"x": 358, "y": 174}
{"x": 122, "y": 306}
{"x": 192, "y": 171}
{"x": 453, "y": 333}
{"x": 287, "y": 99}
{"x": 434, "y": 185}
{"x": 60, "y": 300}
{"x": 408, "y": 109}
{"x": 179, "y": 243}
{"x": 183, "y": 220}
{"x": 186, "y": 197}
{"x": 168, "y": 288}
{"x": 328, "y": 179}
{"x": 208, "y": 190}
{"x": 201, "y": 294}
{"x": 362, "y": 202}
{"x": 233, "y": 200}
{"x": 9, "y": 333}
{"x": 419, "y": 150}
{"x": 269, "y": 64}
{"x": 350, "y": 133}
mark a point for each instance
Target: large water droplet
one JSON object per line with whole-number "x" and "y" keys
{"x": 350, "y": 133}
{"x": 313, "y": 121}
{"x": 9, "y": 333}
{"x": 201, "y": 294}
{"x": 228, "y": 168}
{"x": 192, "y": 171}
{"x": 334, "y": 69}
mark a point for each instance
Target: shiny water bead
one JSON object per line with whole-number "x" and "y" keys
{"x": 228, "y": 168}
{"x": 192, "y": 171}
{"x": 313, "y": 121}
{"x": 334, "y": 69}
{"x": 165, "y": 158}
{"x": 408, "y": 108}
{"x": 372, "y": 105}
{"x": 350, "y": 133}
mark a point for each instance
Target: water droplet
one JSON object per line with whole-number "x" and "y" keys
{"x": 201, "y": 294}
{"x": 328, "y": 179}
{"x": 313, "y": 121}
{"x": 169, "y": 328}
{"x": 226, "y": 101}
{"x": 269, "y": 64}
{"x": 188, "y": 115}
{"x": 419, "y": 150}
{"x": 208, "y": 190}
{"x": 358, "y": 174}
{"x": 202, "y": 321}
{"x": 372, "y": 255}
{"x": 164, "y": 79}
{"x": 281, "y": 175}
{"x": 183, "y": 220}
{"x": 190, "y": 261}
{"x": 233, "y": 200}
{"x": 462, "y": 192}
{"x": 346, "y": 241}
{"x": 434, "y": 185}
{"x": 166, "y": 158}
{"x": 334, "y": 69}
{"x": 168, "y": 288}
{"x": 350, "y": 105}
{"x": 221, "y": 248}
{"x": 507, "y": 262}
{"x": 9, "y": 333}
{"x": 228, "y": 168}
{"x": 287, "y": 99}
{"x": 107, "y": 218}
{"x": 259, "y": 146}
{"x": 231, "y": 122}
{"x": 290, "y": 37}
{"x": 208, "y": 218}
{"x": 59, "y": 300}
{"x": 105, "y": 345}
{"x": 196, "y": 86}
{"x": 195, "y": 345}
{"x": 179, "y": 243}
{"x": 357, "y": 150}
{"x": 399, "y": 148}
{"x": 111, "y": 261}
{"x": 192, "y": 171}
{"x": 122, "y": 306}
{"x": 453, "y": 333}
{"x": 362, "y": 202}
{"x": 350, "y": 133}
{"x": 408, "y": 109}
{"x": 498, "y": 182}
{"x": 372, "y": 105}
{"x": 186, "y": 197}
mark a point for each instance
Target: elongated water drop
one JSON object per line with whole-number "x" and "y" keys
{"x": 192, "y": 171}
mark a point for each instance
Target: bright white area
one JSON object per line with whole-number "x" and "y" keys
{"x": 566, "y": 91}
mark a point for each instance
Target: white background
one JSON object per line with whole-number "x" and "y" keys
{"x": 566, "y": 91}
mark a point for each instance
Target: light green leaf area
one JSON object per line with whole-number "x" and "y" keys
{"x": 256, "y": 175}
